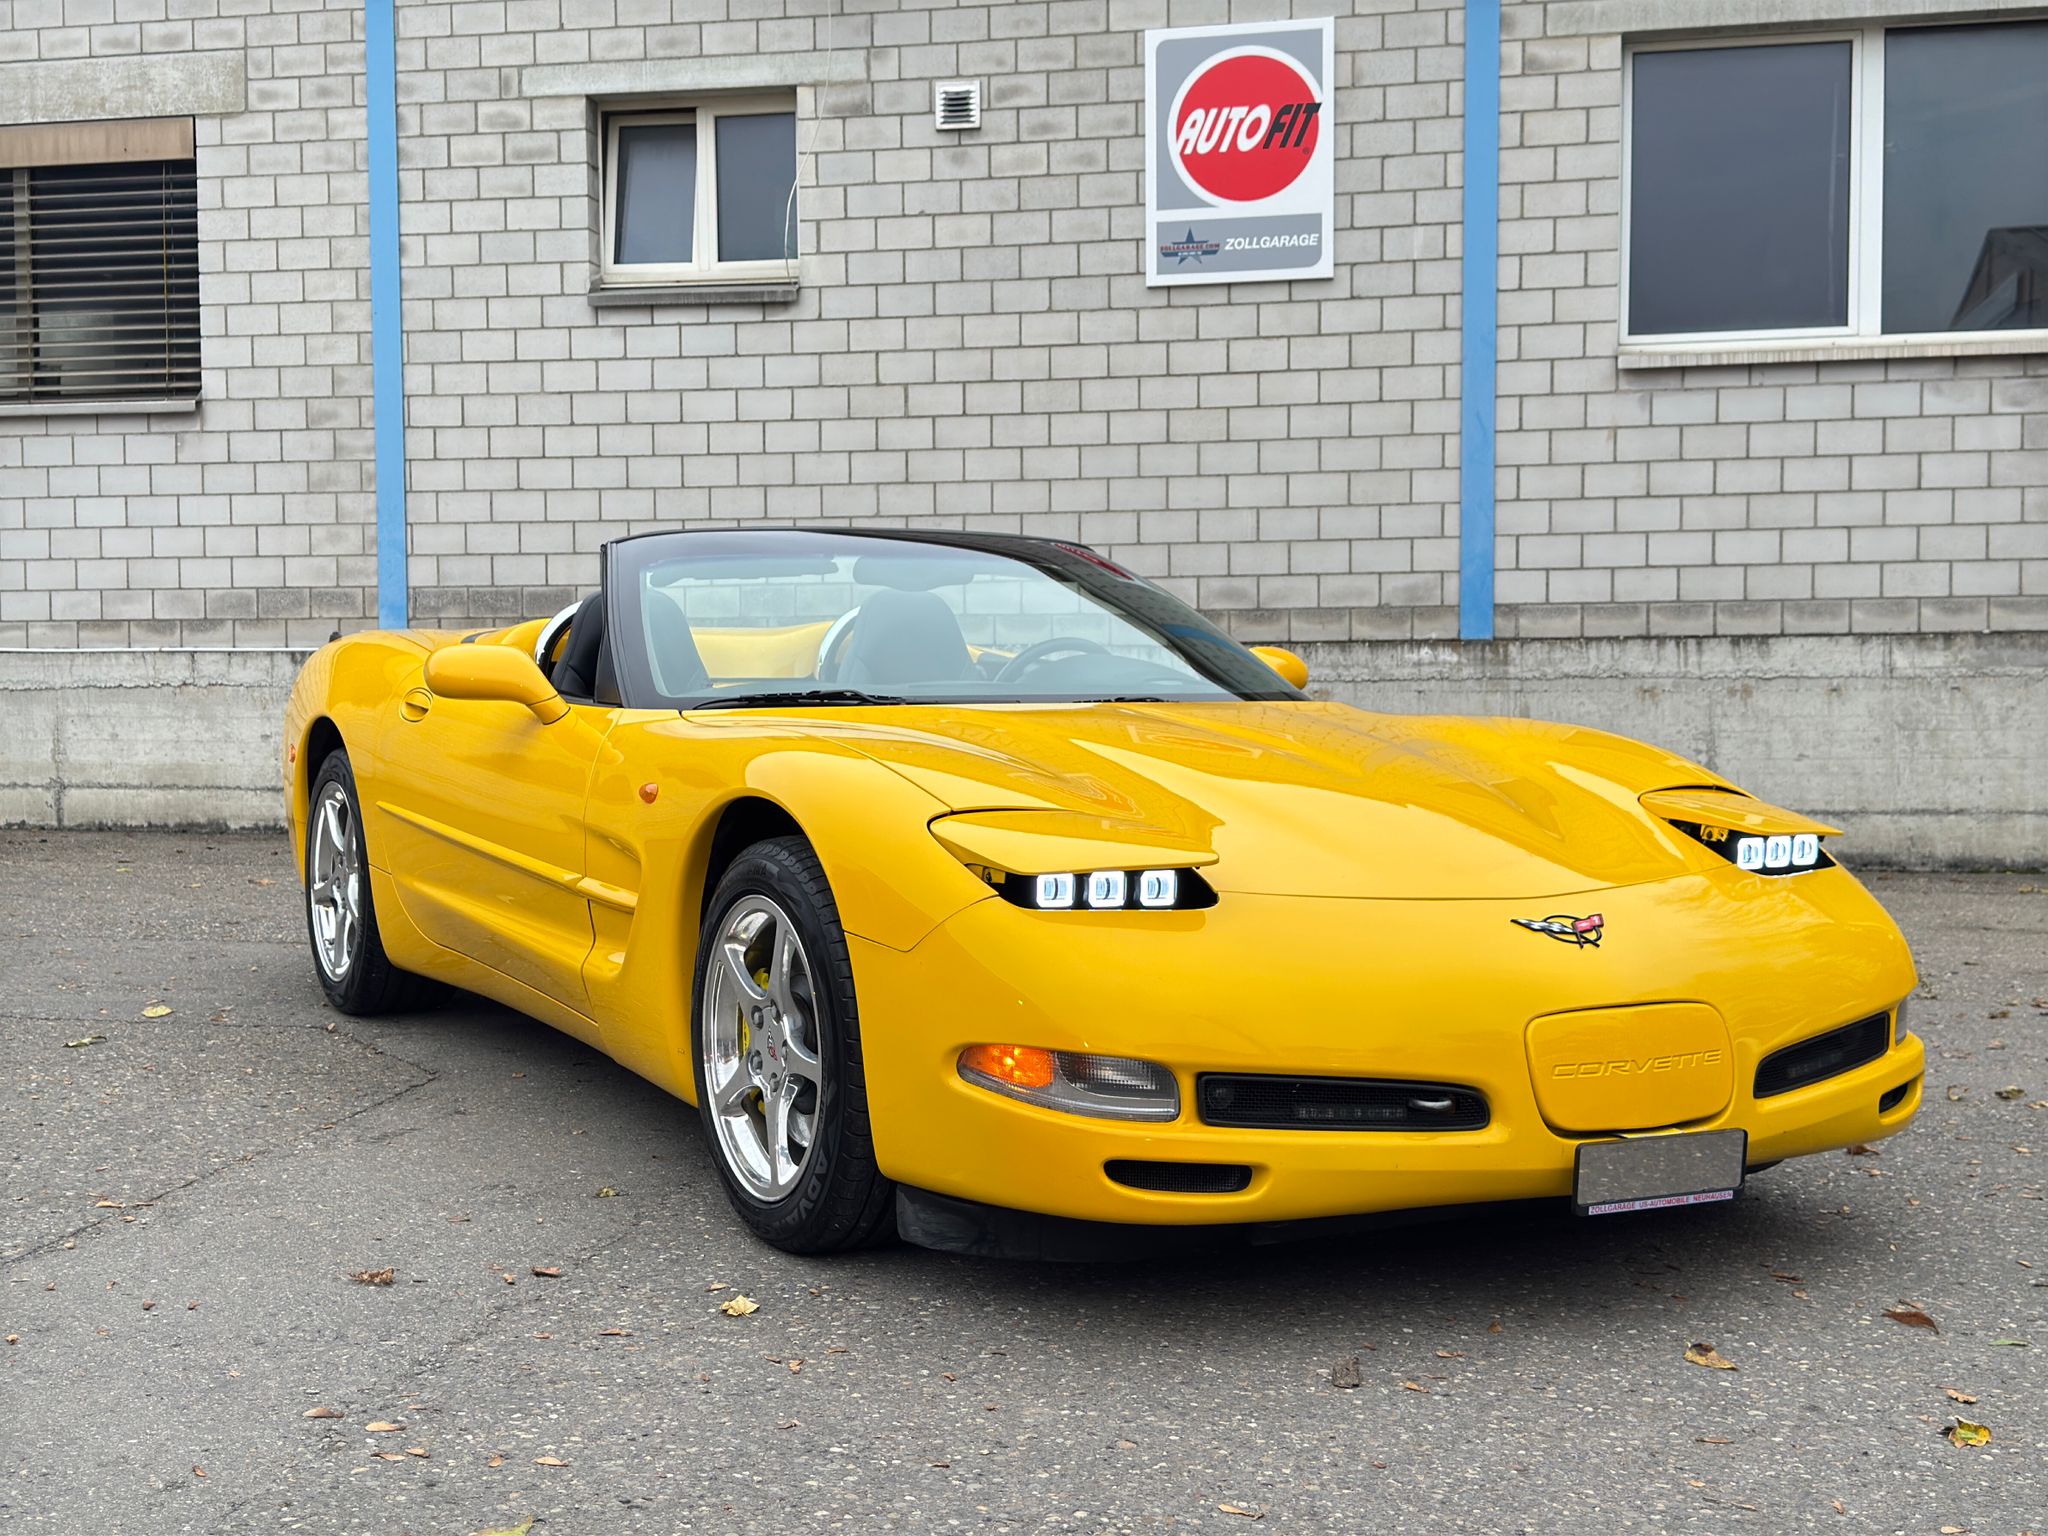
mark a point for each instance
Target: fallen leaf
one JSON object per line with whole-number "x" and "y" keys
{"x": 1954, "y": 1530}
{"x": 1712, "y": 1440}
{"x": 499, "y": 1461}
{"x": 1960, "y": 1397}
{"x": 1957, "y": 1093}
{"x": 418, "y": 1450}
{"x": 1413, "y": 1386}
{"x": 199, "y": 1471}
{"x": 521, "y": 1529}
{"x": 721, "y": 1286}
{"x": 607, "y": 1193}
{"x": 2013, "y": 1343}
{"x": 388, "y": 1455}
{"x": 1912, "y": 1317}
{"x": 549, "y": 1461}
{"x": 157, "y": 1011}
{"x": 1450, "y": 1354}
{"x": 1345, "y": 1373}
{"x": 1839, "y": 1507}
{"x": 13, "y": 1338}
{"x": 548, "y": 1271}
{"x": 739, "y": 1306}
{"x": 2014, "y": 1092}
{"x": 1963, "y": 1432}
{"x": 506, "y": 1276}
{"x": 381, "y": 1427}
{"x": 1710, "y": 1357}
{"x": 1494, "y": 1326}
{"x": 1864, "y": 1149}
{"x": 374, "y": 1276}
{"x": 795, "y": 1366}
{"x": 939, "y": 1463}
{"x": 84, "y": 1040}
{"x": 543, "y": 1335}
{"x": 321, "y": 1413}
{"x": 615, "y": 1333}
{"x": 149, "y": 1306}
{"x": 1239, "y": 1509}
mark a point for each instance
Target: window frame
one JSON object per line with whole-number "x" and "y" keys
{"x": 703, "y": 112}
{"x": 1866, "y": 205}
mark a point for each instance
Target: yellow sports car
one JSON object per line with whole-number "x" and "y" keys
{"x": 975, "y": 887}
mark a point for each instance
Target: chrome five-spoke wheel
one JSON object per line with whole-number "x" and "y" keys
{"x": 334, "y": 885}
{"x": 763, "y": 1071}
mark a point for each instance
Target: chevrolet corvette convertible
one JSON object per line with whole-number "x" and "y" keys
{"x": 975, "y": 888}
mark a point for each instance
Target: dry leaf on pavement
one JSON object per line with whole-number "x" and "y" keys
{"x": 157, "y": 1011}
{"x": 1710, "y": 1357}
{"x": 1345, "y": 1373}
{"x": 1959, "y": 1397}
{"x": 1413, "y": 1386}
{"x": 373, "y": 1276}
{"x": 549, "y": 1461}
{"x": 381, "y": 1427}
{"x": 607, "y": 1193}
{"x": 1963, "y": 1432}
{"x": 2013, "y": 1092}
{"x": 1239, "y": 1509}
{"x": 548, "y": 1271}
{"x": 321, "y": 1413}
{"x": 521, "y": 1529}
{"x": 1912, "y": 1317}
{"x": 13, "y": 1338}
{"x": 739, "y": 1306}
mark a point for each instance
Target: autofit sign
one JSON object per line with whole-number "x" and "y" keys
{"x": 1239, "y": 149}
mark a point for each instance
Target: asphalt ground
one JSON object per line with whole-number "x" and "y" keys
{"x": 187, "y": 1196}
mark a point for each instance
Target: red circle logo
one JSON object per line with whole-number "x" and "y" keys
{"x": 1245, "y": 126}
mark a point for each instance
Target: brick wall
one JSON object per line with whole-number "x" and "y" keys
{"x": 248, "y": 521}
{"x": 972, "y": 344}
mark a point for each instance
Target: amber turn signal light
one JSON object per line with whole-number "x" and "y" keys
{"x": 1018, "y": 1066}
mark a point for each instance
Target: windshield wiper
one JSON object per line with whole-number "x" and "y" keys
{"x": 1125, "y": 698}
{"x": 799, "y": 698}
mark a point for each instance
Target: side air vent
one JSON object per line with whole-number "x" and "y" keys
{"x": 1824, "y": 1056}
{"x": 1256, "y": 1102}
{"x": 956, "y": 105}
{"x": 1179, "y": 1178}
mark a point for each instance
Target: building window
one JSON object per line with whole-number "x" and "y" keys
{"x": 1879, "y": 183}
{"x": 99, "y": 265}
{"x": 699, "y": 193}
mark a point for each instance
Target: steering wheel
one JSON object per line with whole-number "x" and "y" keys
{"x": 1058, "y": 645}
{"x": 833, "y": 641}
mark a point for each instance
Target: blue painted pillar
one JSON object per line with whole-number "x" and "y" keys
{"x": 1477, "y": 353}
{"x": 387, "y": 335}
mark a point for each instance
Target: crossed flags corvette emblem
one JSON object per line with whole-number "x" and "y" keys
{"x": 1582, "y": 932}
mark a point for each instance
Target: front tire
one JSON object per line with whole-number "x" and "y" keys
{"x": 341, "y": 918}
{"x": 775, "y": 1035}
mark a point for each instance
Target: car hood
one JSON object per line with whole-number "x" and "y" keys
{"x": 1309, "y": 798}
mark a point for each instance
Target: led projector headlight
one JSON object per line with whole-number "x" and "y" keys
{"x": 1104, "y": 890}
{"x": 1776, "y": 854}
{"x": 1105, "y": 1087}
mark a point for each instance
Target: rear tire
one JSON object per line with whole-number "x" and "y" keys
{"x": 775, "y": 1035}
{"x": 341, "y": 915}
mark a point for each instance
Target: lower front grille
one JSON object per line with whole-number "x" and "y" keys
{"x": 1824, "y": 1056}
{"x": 1179, "y": 1178}
{"x": 1257, "y": 1102}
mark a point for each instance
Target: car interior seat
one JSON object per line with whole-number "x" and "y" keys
{"x": 905, "y": 637}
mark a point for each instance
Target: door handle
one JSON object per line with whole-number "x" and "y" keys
{"x": 415, "y": 704}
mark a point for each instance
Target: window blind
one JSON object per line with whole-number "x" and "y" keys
{"x": 99, "y": 282}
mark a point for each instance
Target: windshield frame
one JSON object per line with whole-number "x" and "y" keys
{"x": 1158, "y": 614}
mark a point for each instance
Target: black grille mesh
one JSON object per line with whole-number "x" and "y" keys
{"x": 1258, "y": 1102}
{"x": 1179, "y": 1178}
{"x": 1824, "y": 1056}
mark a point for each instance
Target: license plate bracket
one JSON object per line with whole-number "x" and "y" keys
{"x": 1649, "y": 1173}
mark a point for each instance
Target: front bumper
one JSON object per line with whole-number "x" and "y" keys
{"x": 1424, "y": 991}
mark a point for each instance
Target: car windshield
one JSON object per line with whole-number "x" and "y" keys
{"x": 719, "y": 619}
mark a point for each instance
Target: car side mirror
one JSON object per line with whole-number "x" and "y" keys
{"x": 494, "y": 672}
{"x": 1285, "y": 662}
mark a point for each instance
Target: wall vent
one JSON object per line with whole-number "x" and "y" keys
{"x": 956, "y": 105}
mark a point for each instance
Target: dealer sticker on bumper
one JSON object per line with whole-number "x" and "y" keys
{"x": 1650, "y": 1173}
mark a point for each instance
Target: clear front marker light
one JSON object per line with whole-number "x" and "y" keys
{"x": 1053, "y": 892}
{"x": 1106, "y": 888}
{"x": 1103, "y": 1087}
{"x": 1158, "y": 888}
